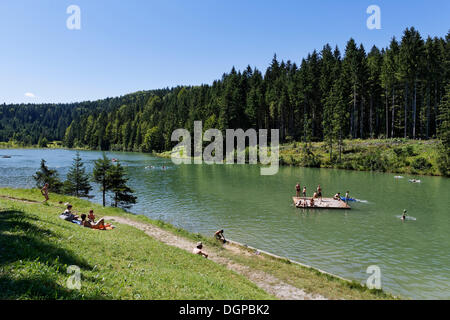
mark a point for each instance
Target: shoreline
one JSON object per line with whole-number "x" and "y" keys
{"x": 294, "y": 275}
{"x": 291, "y": 155}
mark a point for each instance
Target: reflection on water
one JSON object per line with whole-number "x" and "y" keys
{"x": 257, "y": 210}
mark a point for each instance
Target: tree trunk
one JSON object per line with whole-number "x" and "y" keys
{"x": 361, "y": 120}
{"x": 352, "y": 119}
{"x": 370, "y": 117}
{"x": 436, "y": 114}
{"x": 428, "y": 111}
{"x": 387, "y": 115}
{"x": 406, "y": 109}
{"x": 393, "y": 111}
{"x": 414, "y": 109}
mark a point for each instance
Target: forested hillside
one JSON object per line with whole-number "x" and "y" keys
{"x": 329, "y": 96}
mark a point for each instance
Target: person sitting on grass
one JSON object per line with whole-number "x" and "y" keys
{"x": 91, "y": 216}
{"x": 68, "y": 215}
{"x": 219, "y": 236}
{"x": 198, "y": 250}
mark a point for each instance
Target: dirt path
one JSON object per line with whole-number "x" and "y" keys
{"x": 263, "y": 280}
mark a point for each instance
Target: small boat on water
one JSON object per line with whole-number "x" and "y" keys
{"x": 324, "y": 203}
{"x": 6, "y": 157}
{"x": 414, "y": 181}
{"x": 348, "y": 199}
{"x": 398, "y": 177}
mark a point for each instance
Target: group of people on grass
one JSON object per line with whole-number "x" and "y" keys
{"x": 199, "y": 247}
{"x": 317, "y": 195}
{"x": 87, "y": 221}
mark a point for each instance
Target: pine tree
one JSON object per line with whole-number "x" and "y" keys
{"x": 444, "y": 134}
{"x": 122, "y": 194}
{"x": 101, "y": 176}
{"x": 45, "y": 175}
{"x": 77, "y": 183}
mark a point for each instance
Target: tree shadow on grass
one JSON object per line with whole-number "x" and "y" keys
{"x": 30, "y": 263}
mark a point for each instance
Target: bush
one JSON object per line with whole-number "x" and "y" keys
{"x": 421, "y": 164}
{"x": 410, "y": 151}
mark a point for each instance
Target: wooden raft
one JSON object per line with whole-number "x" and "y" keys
{"x": 324, "y": 203}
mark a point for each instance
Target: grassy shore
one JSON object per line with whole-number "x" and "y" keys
{"x": 36, "y": 248}
{"x": 417, "y": 157}
{"x": 394, "y": 155}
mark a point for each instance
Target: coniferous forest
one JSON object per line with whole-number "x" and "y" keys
{"x": 393, "y": 92}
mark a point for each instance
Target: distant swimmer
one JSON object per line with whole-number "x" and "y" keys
{"x": 404, "y": 215}
{"x": 219, "y": 236}
{"x": 198, "y": 250}
{"x": 297, "y": 189}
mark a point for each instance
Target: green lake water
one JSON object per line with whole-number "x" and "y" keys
{"x": 414, "y": 256}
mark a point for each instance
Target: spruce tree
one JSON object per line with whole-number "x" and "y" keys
{"x": 101, "y": 176}
{"x": 77, "y": 183}
{"x": 121, "y": 193}
{"x": 45, "y": 175}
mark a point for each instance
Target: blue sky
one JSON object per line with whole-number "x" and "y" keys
{"x": 126, "y": 46}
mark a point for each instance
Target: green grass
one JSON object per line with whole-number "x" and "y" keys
{"x": 36, "y": 247}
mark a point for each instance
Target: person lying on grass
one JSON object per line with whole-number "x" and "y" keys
{"x": 100, "y": 224}
{"x": 86, "y": 223}
{"x": 198, "y": 250}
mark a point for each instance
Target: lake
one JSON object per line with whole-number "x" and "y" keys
{"x": 414, "y": 256}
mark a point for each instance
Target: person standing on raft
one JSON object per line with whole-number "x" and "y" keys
{"x": 319, "y": 192}
{"x": 304, "y": 192}
{"x": 297, "y": 189}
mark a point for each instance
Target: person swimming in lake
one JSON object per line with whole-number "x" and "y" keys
{"x": 44, "y": 192}
{"x": 297, "y": 189}
{"x": 198, "y": 250}
{"x": 404, "y": 215}
{"x": 219, "y": 236}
